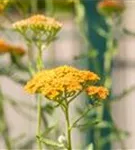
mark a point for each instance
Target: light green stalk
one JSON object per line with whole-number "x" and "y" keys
{"x": 38, "y": 134}
{"x": 68, "y": 128}
{"x": 65, "y": 109}
{"x": 39, "y": 65}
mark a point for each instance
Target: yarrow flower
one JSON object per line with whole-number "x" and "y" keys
{"x": 40, "y": 25}
{"x": 8, "y": 48}
{"x": 61, "y": 82}
{"x": 3, "y": 4}
{"x": 110, "y": 7}
{"x": 98, "y": 92}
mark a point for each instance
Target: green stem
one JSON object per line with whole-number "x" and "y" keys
{"x": 6, "y": 135}
{"x": 39, "y": 63}
{"x": 97, "y": 133}
{"x": 68, "y": 127}
{"x": 123, "y": 94}
{"x": 34, "y": 6}
{"x": 49, "y": 8}
{"x": 81, "y": 117}
{"x": 30, "y": 56}
{"x": 38, "y": 134}
{"x": 5, "y": 131}
{"x": 32, "y": 70}
{"x": 108, "y": 57}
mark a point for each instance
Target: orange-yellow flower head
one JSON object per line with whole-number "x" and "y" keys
{"x": 3, "y": 4}
{"x": 40, "y": 26}
{"x": 4, "y": 47}
{"x": 8, "y": 48}
{"x": 61, "y": 82}
{"x": 110, "y": 7}
{"x": 98, "y": 92}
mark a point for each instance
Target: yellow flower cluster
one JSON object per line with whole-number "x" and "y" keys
{"x": 64, "y": 81}
{"x": 7, "y": 48}
{"x": 3, "y": 4}
{"x": 97, "y": 91}
{"x": 110, "y": 7}
{"x": 38, "y": 23}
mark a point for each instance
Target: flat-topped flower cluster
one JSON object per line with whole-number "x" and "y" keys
{"x": 110, "y": 7}
{"x": 63, "y": 82}
{"x": 98, "y": 92}
{"x": 38, "y": 23}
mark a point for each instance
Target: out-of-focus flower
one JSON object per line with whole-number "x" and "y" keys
{"x": 38, "y": 22}
{"x": 110, "y": 7}
{"x": 61, "y": 82}
{"x": 18, "y": 50}
{"x": 98, "y": 92}
{"x": 12, "y": 49}
{"x": 3, "y": 4}
{"x": 4, "y": 47}
{"x": 41, "y": 26}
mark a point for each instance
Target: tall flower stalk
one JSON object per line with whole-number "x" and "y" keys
{"x": 62, "y": 85}
{"x": 111, "y": 10}
{"x": 43, "y": 30}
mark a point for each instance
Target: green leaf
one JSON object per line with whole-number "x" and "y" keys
{"x": 128, "y": 32}
{"x": 19, "y": 138}
{"x": 100, "y": 31}
{"x": 119, "y": 136}
{"x": 87, "y": 125}
{"x": 79, "y": 110}
{"x": 90, "y": 147}
{"x": 48, "y": 130}
{"x": 51, "y": 143}
{"x": 48, "y": 108}
{"x": 104, "y": 124}
{"x": 123, "y": 134}
{"x": 93, "y": 53}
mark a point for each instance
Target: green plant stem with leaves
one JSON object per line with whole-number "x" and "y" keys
{"x": 108, "y": 56}
{"x": 111, "y": 48}
{"x": 80, "y": 17}
{"x": 110, "y": 51}
{"x": 107, "y": 66}
{"x": 38, "y": 133}
{"x": 69, "y": 127}
{"x": 32, "y": 70}
{"x": 39, "y": 66}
